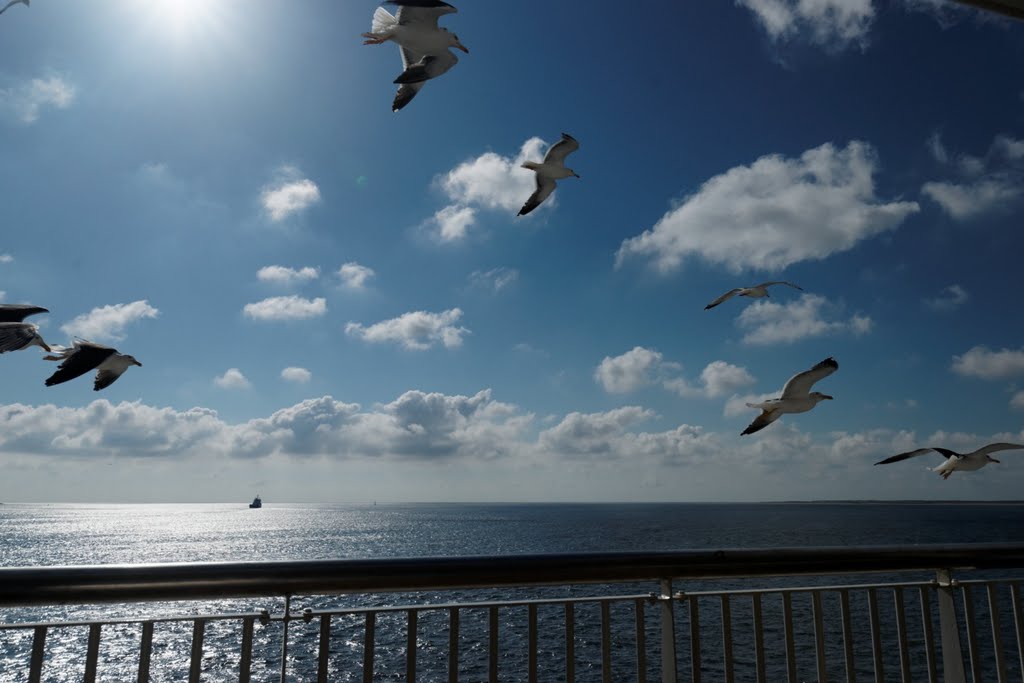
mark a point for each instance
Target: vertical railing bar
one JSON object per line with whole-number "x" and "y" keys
{"x": 727, "y": 663}
{"x": 997, "y": 632}
{"x": 876, "y": 636}
{"x": 641, "y": 641}
{"x": 695, "y": 664}
{"x": 531, "y": 643}
{"x": 819, "y": 635}
{"x": 145, "y": 651}
{"x": 35, "y": 672}
{"x": 928, "y": 633}
{"x": 92, "y": 653}
{"x": 972, "y": 637}
{"x": 844, "y": 612}
{"x": 324, "y": 649}
{"x": 758, "y": 638}
{"x": 196, "y": 661}
{"x": 492, "y": 656}
{"x": 952, "y": 655}
{"x": 245, "y": 660}
{"x": 570, "y": 644}
{"x": 606, "y": 642}
{"x": 411, "y": 636}
{"x": 369, "y": 646}
{"x": 669, "y": 670}
{"x": 787, "y": 622}
{"x": 1018, "y": 622}
{"x": 901, "y": 634}
{"x": 453, "y": 645}
{"x": 284, "y": 636}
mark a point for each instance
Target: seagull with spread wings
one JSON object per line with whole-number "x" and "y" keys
{"x": 12, "y": 3}
{"x": 84, "y": 356}
{"x": 423, "y": 44}
{"x": 756, "y": 292}
{"x": 965, "y": 462}
{"x": 797, "y": 396}
{"x": 15, "y": 334}
{"x": 551, "y": 169}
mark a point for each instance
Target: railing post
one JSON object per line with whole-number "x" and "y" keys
{"x": 952, "y": 656}
{"x": 284, "y": 636}
{"x": 668, "y": 633}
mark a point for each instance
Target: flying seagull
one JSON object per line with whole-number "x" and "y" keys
{"x": 424, "y": 45}
{"x": 551, "y": 169}
{"x": 967, "y": 462}
{"x": 84, "y": 356}
{"x": 16, "y": 335}
{"x": 797, "y": 396}
{"x": 755, "y": 292}
{"x": 14, "y": 2}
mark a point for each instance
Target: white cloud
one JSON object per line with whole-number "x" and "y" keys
{"x": 1017, "y": 402}
{"x": 592, "y": 433}
{"x": 984, "y": 363}
{"x": 453, "y": 222}
{"x": 495, "y": 279}
{"x": 718, "y": 378}
{"x": 936, "y": 147}
{"x": 296, "y": 375}
{"x": 286, "y": 308}
{"x": 774, "y": 213}
{"x": 632, "y": 370}
{"x": 6, "y": 258}
{"x": 949, "y": 299}
{"x": 769, "y": 323}
{"x": 354, "y": 276}
{"x": 283, "y": 275}
{"x": 289, "y": 194}
{"x": 108, "y": 322}
{"x": 991, "y": 182}
{"x": 232, "y": 379}
{"x": 417, "y": 330}
{"x": 828, "y": 23}
{"x": 26, "y": 101}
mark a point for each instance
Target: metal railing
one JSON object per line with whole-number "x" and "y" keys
{"x": 688, "y": 615}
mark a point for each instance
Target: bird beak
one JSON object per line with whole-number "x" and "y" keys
{"x": 992, "y": 459}
{"x": 828, "y": 397}
{"x": 576, "y": 174}
{"x": 460, "y": 46}
{"x": 138, "y": 363}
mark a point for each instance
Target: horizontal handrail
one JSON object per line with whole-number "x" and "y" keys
{"x": 28, "y": 586}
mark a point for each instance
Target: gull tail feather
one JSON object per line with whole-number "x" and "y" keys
{"x": 383, "y": 21}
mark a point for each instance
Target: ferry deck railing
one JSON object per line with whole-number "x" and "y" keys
{"x": 730, "y": 630}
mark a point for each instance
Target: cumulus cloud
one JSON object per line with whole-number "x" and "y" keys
{"x": 286, "y": 308}
{"x": 774, "y": 213}
{"x": 289, "y": 194}
{"x": 592, "y": 433}
{"x": 283, "y": 275}
{"x": 717, "y": 379}
{"x": 967, "y": 200}
{"x": 6, "y": 258}
{"x": 296, "y": 375}
{"x": 767, "y": 322}
{"x": 354, "y": 276}
{"x": 827, "y": 23}
{"x": 107, "y": 323}
{"x": 416, "y": 330}
{"x": 984, "y": 363}
{"x": 641, "y": 367}
{"x": 1017, "y": 402}
{"x": 232, "y": 379}
{"x": 986, "y": 183}
{"x": 26, "y": 101}
{"x": 453, "y": 222}
{"x": 949, "y": 299}
{"x": 495, "y": 279}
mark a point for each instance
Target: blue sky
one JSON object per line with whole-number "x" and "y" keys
{"x": 333, "y": 302}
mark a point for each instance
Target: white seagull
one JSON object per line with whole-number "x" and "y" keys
{"x": 756, "y": 292}
{"x": 16, "y": 335}
{"x": 424, "y": 45}
{"x": 797, "y": 396}
{"x": 84, "y": 356}
{"x": 966, "y": 462}
{"x": 14, "y": 2}
{"x": 551, "y": 169}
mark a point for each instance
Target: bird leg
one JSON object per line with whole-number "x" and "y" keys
{"x": 372, "y": 39}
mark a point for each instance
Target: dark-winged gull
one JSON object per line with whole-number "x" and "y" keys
{"x": 12, "y": 3}
{"x": 84, "y": 356}
{"x": 797, "y": 396}
{"x": 16, "y": 335}
{"x": 551, "y": 169}
{"x": 423, "y": 44}
{"x": 966, "y": 462}
{"x": 755, "y": 292}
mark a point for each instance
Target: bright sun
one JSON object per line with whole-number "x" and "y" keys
{"x": 184, "y": 16}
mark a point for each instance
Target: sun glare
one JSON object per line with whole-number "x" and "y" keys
{"x": 184, "y": 17}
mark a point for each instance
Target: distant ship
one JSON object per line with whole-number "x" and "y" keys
{"x": 256, "y": 502}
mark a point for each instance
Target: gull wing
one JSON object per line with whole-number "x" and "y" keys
{"x": 728, "y": 295}
{"x": 914, "y": 454}
{"x": 561, "y": 149}
{"x": 545, "y": 186}
{"x": 416, "y": 11}
{"x": 86, "y": 356}
{"x": 761, "y": 421}
{"x": 799, "y": 385}
{"x": 16, "y": 313}
{"x": 17, "y": 336}
{"x": 430, "y": 66}
{"x": 407, "y": 91}
{"x": 106, "y": 377}
{"x": 996, "y": 447}
{"x": 780, "y": 282}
